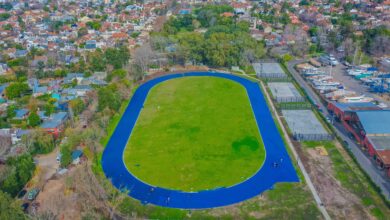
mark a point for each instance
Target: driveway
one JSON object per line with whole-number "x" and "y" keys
{"x": 376, "y": 175}
{"x": 48, "y": 165}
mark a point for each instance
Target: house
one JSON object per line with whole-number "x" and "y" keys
{"x": 39, "y": 59}
{"x": 21, "y": 53}
{"x": 78, "y": 91}
{"x": 2, "y": 89}
{"x": 90, "y": 45}
{"x": 4, "y": 69}
{"x": 100, "y": 75}
{"x": 21, "y": 114}
{"x": 18, "y": 134}
{"x": 73, "y": 76}
{"x": 76, "y": 155}
{"x": 55, "y": 123}
{"x": 40, "y": 90}
{"x": 93, "y": 81}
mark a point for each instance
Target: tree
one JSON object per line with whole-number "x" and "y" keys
{"x": 7, "y": 27}
{"x": 117, "y": 57}
{"x": 66, "y": 155}
{"x": 16, "y": 89}
{"x": 50, "y": 107}
{"x": 82, "y": 31}
{"x": 142, "y": 56}
{"x": 118, "y": 73}
{"x": 11, "y": 111}
{"x": 97, "y": 61}
{"x": 108, "y": 97}
{"x": 4, "y": 16}
{"x": 96, "y": 25}
{"x": 33, "y": 119}
{"x": 39, "y": 142}
{"x": 77, "y": 105}
{"x": 9, "y": 208}
{"x": 22, "y": 168}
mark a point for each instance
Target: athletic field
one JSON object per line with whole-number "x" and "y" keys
{"x": 192, "y": 141}
{"x": 195, "y": 133}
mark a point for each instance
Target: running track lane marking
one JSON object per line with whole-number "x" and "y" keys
{"x": 264, "y": 179}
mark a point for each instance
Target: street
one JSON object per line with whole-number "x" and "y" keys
{"x": 377, "y": 176}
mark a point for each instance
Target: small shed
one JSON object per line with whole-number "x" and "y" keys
{"x": 76, "y": 155}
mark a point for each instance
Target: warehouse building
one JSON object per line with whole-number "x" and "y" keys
{"x": 371, "y": 129}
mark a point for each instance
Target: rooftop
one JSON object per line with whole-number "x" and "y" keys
{"x": 55, "y": 120}
{"x": 384, "y": 156}
{"x": 375, "y": 122}
{"x": 356, "y": 106}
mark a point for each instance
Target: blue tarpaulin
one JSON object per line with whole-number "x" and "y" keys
{"x": 264, "y": 179}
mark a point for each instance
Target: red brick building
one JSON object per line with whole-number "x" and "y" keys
{"x": 370, "y": 126}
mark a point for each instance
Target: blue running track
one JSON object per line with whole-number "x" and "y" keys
{"x": 277, "y": 166}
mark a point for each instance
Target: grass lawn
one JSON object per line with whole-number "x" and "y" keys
{"x": 195, "y": 133}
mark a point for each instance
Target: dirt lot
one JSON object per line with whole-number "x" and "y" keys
{"x": 340, "y": 203}
{"x": 72, "y": 196}
{"x": 48, "y": 166}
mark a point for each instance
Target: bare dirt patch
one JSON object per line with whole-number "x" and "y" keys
{"x": 72, "y": 196}
{"x": 340, "y": 202}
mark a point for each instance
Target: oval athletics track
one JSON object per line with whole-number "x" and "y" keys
{"x": 269, "y": 174}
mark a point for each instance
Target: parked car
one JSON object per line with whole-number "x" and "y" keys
{"x": 25, "y": 206}
{"x": 32, "y": 194}
{"x": 328, "y": 60}
{"x": 22, "y": 193}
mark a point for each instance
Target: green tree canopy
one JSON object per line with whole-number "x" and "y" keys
{"x": 22, "y": 168}
{"x": 9, "y": 208}
{"x": 108, "y": 97}
{"x": 16, "y": 89}
{"x": 33, "y": 119}
{"x": 66, "y": 155}
{"x": 77, "y": 105}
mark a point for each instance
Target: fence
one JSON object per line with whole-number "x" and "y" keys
{"x": 290, "y": 99}
{"x": 313, "y": 137}
{"x": 294, "y": 106}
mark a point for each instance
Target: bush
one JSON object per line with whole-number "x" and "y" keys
{"x": 66, "y": 155}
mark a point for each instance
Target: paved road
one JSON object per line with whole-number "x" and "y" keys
{"x": 377, "y": 176}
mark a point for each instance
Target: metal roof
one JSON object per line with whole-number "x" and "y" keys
{"x": 380, "y": 142}
{"x": 354, "y": 106}
{"x": 375, "y": 122}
